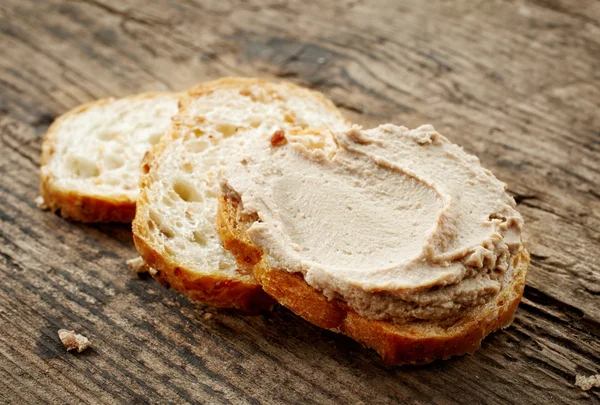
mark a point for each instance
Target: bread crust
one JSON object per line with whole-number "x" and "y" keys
{"x": 239, "y": 82}
{"x": 242, "y": 292}
{"x": 413, "y": 342}
{"x": 77, "y": 205}
{"x": 232, "y": 228}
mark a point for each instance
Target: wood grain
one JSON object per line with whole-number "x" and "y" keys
{"x": 515, "y": 82}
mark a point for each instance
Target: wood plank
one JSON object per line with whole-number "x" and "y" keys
{"x": 515, "y": 82}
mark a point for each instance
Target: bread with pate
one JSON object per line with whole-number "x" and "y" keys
{"x": 395, "y": 237}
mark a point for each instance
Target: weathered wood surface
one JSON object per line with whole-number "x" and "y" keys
{"x": 515, "y": 82}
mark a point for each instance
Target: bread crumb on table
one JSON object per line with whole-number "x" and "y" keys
{"x": 208, "y": 315}
{"x": 587, "y": 383}
{"x": 137, "y": 265}
{"x": 73, "y": 341}
{"x": 41, "y": 204}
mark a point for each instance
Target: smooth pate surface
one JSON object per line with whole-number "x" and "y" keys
{"x": 396, "y": 222}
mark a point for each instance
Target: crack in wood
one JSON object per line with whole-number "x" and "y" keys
{"x": 124, "y": 14}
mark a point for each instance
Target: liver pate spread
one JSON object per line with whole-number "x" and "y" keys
{"x": 400, "y": 224}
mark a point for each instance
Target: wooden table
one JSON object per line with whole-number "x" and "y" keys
{"x": 515, "y": 82}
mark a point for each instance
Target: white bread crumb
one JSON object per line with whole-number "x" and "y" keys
{"x": 208, "y": 315}
{"x": 587, "y": 383}
{"x": 137, "y": 265}
{"x": 73, "y": 341}
{"x": 41, "y": 204}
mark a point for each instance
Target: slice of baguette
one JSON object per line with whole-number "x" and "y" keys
{"x": 174, "y": 228}
{"x": 413, "y": 342}
{"x": 91, "y": 155}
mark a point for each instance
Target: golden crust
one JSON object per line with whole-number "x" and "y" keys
{"x": 73, "y": 204}
{"x": 414, "y": 342}
{"x": 85, "y": 208}
{"x": 243, "y": 82}
{"x": 243, "y": 292}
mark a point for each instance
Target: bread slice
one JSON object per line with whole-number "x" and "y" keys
{"x": 91, "y": 155}
{"x": 174, "y": 228}
{"x": 413, "y": 342}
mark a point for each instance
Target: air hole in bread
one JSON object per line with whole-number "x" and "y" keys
{"x": 167, "y": 233}
{"x": 112, "y": 161}
{"x": 172, "y": 195}
{"x": 107, "y": 135}
{"x": 167, "y": 201}
{"x": 290, "y": 117}
{"x": 186, "y": 191}
{"x": 154, "y": 138}
{"x": 187, "y": 167}
{"x": 154, "y": 217}
{"x": 151, "y": 225}
{"x": 162, "y": 228}
{"x": 200, "y": 238}
{"x": 227, "y": 129}
{"x": 197, "y": 132}
{"x": 255, "y": 124}
{"x": 82, "y": 167}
